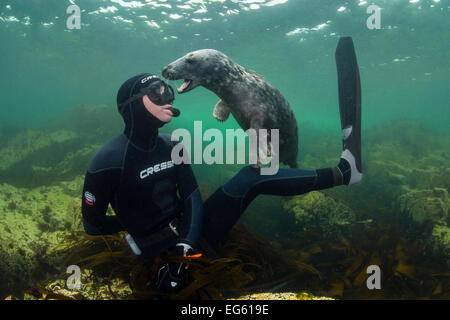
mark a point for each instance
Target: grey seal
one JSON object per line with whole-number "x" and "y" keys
{"x": 244, "y": 93}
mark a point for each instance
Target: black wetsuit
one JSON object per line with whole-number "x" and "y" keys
{"x": 146, "y": 191}
{"x": 135, "y": 174}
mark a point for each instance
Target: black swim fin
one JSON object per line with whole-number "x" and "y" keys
{"x": 349, "y": 106}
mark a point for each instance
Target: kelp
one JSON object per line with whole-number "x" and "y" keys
{"x": 408, "y": 270}
{"x": 42, "y": 293}
{"x": 245, "y": 263}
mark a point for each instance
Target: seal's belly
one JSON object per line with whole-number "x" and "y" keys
{"x": 269, "y": 114}
{"x": 242, "y": 119}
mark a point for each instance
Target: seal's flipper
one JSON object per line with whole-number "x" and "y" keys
{"x": 349, "y": 107}
{"x": 221, "y": 111}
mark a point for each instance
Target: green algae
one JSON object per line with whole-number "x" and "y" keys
{"x": 30, "y": 231}
{"x": 442, "y": 235}
{"x": 405, "y": 184}
{"x": 426, "y": 206}
{"x": 59, "y": 151}
{"x": 322, "y": 214}
{"x": 29, "y": 142}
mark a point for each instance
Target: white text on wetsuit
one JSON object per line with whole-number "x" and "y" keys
{"x": 156, "y": 168}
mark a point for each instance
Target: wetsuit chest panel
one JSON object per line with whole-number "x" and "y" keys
{"x": 148, "y": 190}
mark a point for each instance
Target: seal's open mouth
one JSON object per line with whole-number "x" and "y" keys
{"x": 186, "y": 86}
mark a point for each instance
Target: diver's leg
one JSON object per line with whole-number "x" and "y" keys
{"x": 225, "y": 206}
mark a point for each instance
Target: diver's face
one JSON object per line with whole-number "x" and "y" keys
{"x": 160, "y": 112}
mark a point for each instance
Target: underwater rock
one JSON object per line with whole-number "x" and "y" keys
{"x": 406, "y": 174}
{"x": 60, "y": 150}
{"x": 409, "y": 155}
{"x": 321, "y": 213}
{"x": 32, "y": 222}
{"x": 33, "y": 158}
{"x": 25, "y": 143}
{"x": 441, "y": 236}
{"x": 282, "y": 296}
{"x": 96, "y": 123}
{"x": 398, "y": 157}
{"x": 407, "y": 171}
{"x": 429, "y": 206}
{"x": 245, "y": 264}
{"x": 91, "y": 288}
{"x": 73, "y": 163}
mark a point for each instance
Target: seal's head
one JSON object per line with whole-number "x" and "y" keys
{"x": 208, "y": 68}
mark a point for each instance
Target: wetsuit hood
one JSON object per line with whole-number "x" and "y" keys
{"x": 141, "y": 127}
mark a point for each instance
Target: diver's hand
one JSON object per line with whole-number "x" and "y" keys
{"x": 186, "y": 250}
{"x": 182, "y": 249}
{"x": 174, "y": 111}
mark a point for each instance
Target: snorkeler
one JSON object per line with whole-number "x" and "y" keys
{"x": 159, "y": 203}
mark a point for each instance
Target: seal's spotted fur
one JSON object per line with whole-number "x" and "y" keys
{"x": 244, "y": 93}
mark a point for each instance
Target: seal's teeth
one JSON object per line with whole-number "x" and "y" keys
{"x": 183, "y": 87}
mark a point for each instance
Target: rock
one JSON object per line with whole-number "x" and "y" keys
{"x": 90, "y": 289}
{"x": 441, "y": 240}
{"x": 282, "y": 296}
{"x": 431, "y": 208}
{"x": 32, "y": 224}
{"x": 426, "y": 205}
{"x": 23, "y": 144}
{"x": 319, "y": 212}
{"x": 60, "y": 150}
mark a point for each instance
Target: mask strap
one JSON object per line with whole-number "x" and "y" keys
{"x": 171, "y": 92}
{"x": 132, "y": 99}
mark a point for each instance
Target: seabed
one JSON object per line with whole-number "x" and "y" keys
{"x": 313, "y": 246}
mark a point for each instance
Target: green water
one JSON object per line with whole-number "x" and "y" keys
{"x": 47, "y": 68}
{"x": 48, "y": 71}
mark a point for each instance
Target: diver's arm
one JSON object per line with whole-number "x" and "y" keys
{"x": 97, "y": 194}
{"x": 171, "y": 277}
{"x": 191, "y": 220}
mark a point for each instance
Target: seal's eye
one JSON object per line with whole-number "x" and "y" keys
{"x": 190, "y": 58}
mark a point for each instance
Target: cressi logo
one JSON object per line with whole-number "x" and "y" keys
{"x": 156, "y": 168}
{"x": 89, "y": 198}
{"x": 148, "y": 78}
